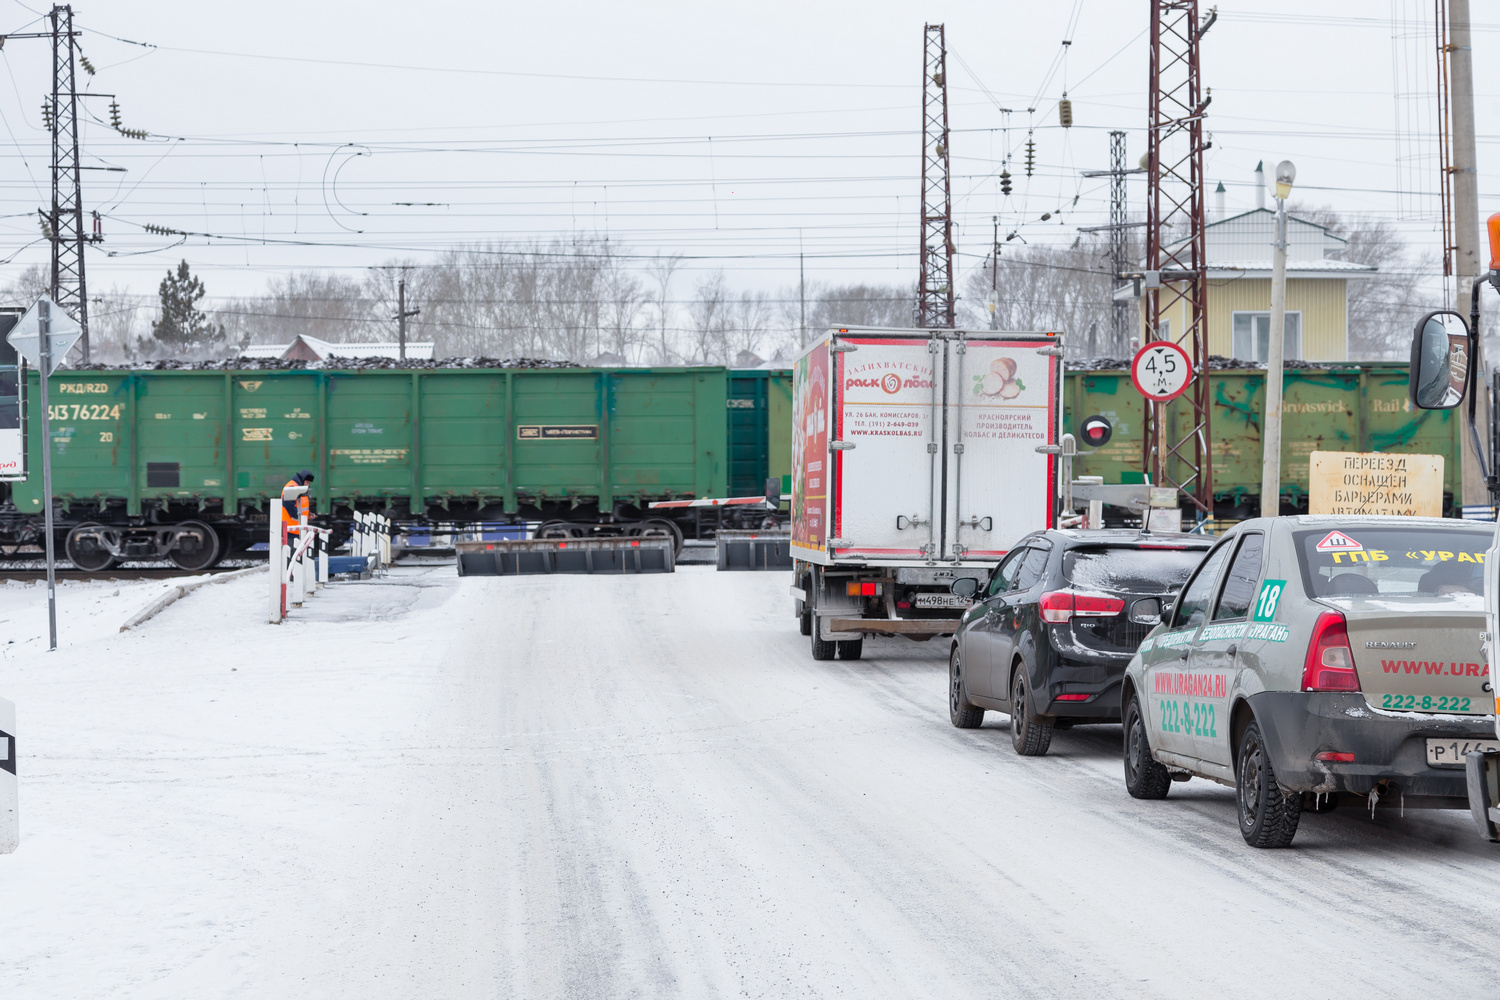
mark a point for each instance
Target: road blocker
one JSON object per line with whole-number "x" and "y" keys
{"x": 573, "y": 555}
{"x": 739, "y": 550}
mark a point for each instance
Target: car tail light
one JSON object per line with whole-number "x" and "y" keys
{"x": 1335, "y": 757}
{"x": 1073, "y": 697}
{"x": 1061, "y": 605}
{"x": 1330, "y": 661}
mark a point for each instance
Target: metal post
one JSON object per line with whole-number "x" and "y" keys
{"x": 801, "y": 293}
{"x": 994, "y": 302}
{"x": 69, "y": 290}
{"x": 44, "y": 346}
{"x": 1120, "y": 325}
{"x": 1464, "y": 178}
{"x": 1270, "y": 469}
{"x": 401, "y": 318}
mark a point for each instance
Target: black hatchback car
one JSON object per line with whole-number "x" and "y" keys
{"x": 1051, "y": 631}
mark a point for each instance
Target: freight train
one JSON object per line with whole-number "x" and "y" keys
{"x": 182, "y": 464}
{"x": 185, "y": 464}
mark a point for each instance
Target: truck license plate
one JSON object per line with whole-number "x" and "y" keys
{"x": 942, "y": 601}
{"x": 1450, "y": 753}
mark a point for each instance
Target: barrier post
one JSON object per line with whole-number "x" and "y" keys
{"x": 325, "y": 539}
{"x": 276, "y": 552}
{"x": 10, "y": 823}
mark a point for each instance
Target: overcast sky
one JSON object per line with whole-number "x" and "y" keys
{"x": 315, "y": 135}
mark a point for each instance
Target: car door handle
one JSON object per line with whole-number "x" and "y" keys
{"x": 1233, "y": 651}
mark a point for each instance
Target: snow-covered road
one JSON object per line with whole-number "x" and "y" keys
{"x": 644, "y": 786}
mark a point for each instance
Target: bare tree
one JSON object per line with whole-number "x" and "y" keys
{"x": 709, "y": 312}
{"x": 661, "y": 271}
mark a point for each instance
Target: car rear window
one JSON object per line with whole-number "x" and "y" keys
{"x": 1130, "y": 569}
{"x": 1364, "y": 562}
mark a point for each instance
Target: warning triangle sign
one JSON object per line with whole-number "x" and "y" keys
{"x": 1337, "y": 541}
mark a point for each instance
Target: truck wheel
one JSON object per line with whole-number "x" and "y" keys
{"x": 1030, "y": 734}
{"x": 1145, "y": 777}
{"x": 961, "y": 712}
{"x": 852, "y": 649}
{"x": 822, "y": 649}
{"x": 1268, "y": 813}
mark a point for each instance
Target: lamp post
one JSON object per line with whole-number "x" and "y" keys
{"x": 1270, "y": 474}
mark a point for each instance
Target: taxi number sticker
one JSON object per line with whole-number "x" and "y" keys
{"x": 1267, "y": 600}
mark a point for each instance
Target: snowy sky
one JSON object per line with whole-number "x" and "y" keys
{"x": 736, "y": 136}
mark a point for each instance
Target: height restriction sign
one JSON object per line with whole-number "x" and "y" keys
{"x": 1161, "y": 371}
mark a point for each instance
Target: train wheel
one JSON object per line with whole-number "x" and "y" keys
{"x": 559, "y": 529}
{"x": 658, "y": 527}
{"x": 197, "y": 547}
{"x": 87, "y": 550}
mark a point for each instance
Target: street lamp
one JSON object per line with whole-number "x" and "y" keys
{"x": 1270, "y": 472}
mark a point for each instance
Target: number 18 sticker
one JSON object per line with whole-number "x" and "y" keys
{"x": 1161, "y": 371}
{"x": 1266, "y": 601}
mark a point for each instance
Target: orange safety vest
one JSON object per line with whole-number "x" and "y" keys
{"x": 304, "y": 506}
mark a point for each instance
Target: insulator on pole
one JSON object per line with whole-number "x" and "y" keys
{"x": 46, "y": 112}
{"x": 114, "y": 114}
{"x": 1065, "y": 112}
{"x": 83, "y": 61}
{"x": 1005, "y": 182}
{"x": 1030, "y": 157}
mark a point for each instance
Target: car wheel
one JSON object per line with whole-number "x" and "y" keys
{"x": 1145, "y": 777}
{"x": 852, "y": 649}
{"x": 1268, "y": 814}
{"x": 960, "y": 712}
{"x": 1029, "y": 734}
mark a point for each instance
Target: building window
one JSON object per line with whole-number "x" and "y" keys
{"x": 1252, "y": 336}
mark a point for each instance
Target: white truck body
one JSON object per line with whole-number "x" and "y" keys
{"x": 920, "y": 453}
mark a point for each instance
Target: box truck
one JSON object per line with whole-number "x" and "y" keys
{"x": 918, "y": 457}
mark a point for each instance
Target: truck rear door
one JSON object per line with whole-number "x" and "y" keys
{"x": 1003, "y": 403}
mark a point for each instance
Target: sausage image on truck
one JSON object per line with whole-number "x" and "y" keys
{"x": 918, "y": 457}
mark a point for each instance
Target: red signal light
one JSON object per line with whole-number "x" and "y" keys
{"x": 1335, "y": 757}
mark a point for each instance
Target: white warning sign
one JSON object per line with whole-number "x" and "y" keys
{"x": 1337, "y": 541}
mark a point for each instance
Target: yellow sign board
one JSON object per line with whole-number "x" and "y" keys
{"x": 1351, "y": 482}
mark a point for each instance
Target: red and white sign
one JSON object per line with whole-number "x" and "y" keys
{"x": 1161, "y": 371}
{"x": 1337, "y": 541}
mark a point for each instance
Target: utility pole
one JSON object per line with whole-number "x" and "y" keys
{"x": 1460, "y": 188}
{"x": 66, "y": 218}
{"x": 1178, "y": 452}
{"x": 801, "y": 293}
{"x": 1270, "y": 438}
{"x": 401, "y": 316}
{"x": 994, "y": 302}
{"x": 935, "y": 282}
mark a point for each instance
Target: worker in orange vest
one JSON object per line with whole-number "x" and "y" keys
{"x": 292, "y": 511}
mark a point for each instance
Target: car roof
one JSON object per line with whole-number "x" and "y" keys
{"x": 1127, "y": 537}
{"x": 1300, "y": 521}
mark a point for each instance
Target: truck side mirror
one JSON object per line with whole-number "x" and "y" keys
{"x": 964, "y": 586}
{"x": 1439, "y": 361}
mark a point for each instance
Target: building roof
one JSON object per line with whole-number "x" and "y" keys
{"x": 1320, "y": 268}
{"x": 306, "y": 348}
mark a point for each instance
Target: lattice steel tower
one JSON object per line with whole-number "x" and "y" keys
{"x": 66, "y": 219}
{"x": 935, "y": 283}
{"x": 1177, "y": 445}
{"x": 1120, "y": 317}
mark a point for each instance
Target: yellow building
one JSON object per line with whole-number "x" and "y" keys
{"x": 1238, "y": 251}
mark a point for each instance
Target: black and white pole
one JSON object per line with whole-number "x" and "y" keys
{"x": 10, "y": 823}
{"x": 44, "y": 347}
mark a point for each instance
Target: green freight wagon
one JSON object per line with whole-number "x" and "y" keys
{"x": 1335, "y": 408}
{"x": 182, "y": 463}
{"x": 760, "y": 431}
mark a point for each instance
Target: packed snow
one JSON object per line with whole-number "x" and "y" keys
{"x": 426, "y": 786}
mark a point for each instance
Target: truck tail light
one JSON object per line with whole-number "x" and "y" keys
{"x": 1330, "y": 661}
{"x": 862, "y": 589}
{"x": 1061, "y": 605}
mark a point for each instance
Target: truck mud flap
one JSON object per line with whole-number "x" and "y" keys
{"x": 753, "y": 550}
{"x": 551, "y": 555}
{"x": 897, "y": 626}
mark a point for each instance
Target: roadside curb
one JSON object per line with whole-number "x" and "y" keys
{"x": 174, "y": 592}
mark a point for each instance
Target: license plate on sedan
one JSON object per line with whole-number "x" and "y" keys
{"x": 1450, "y": 753}
{"x": 941, "y": 601}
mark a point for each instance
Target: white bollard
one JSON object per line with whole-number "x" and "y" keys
{"x": 10, "y": 816}
{"x": 276, "y": 553}
{"x": 325, "y": 538}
